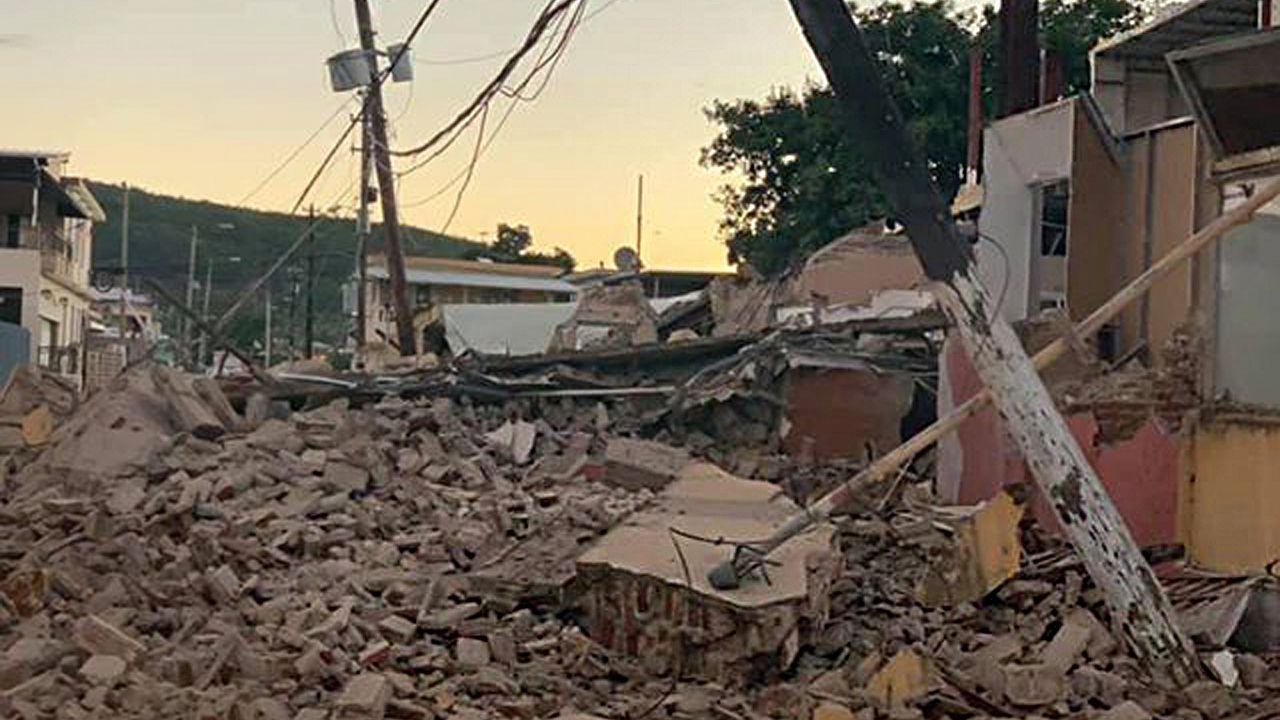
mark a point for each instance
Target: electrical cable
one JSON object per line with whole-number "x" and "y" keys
{"x": 296, "y": 152}
{"x": 471, "y": 168}
{"x": 364, "y": 106}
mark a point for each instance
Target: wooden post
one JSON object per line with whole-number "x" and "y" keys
{"x": 386, "y": 186}
{"x": 1140, "y": 610}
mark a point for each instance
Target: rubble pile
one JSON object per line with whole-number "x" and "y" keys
{"x": 317, "y": 562}
{"x": 1125, "y": 398}
{"x": 1039, "y": 645}
{"x": 32, "y": 404}
{"x": 419, "y": 559}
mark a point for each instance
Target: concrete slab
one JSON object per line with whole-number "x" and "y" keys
{"x": 641, "y": 599}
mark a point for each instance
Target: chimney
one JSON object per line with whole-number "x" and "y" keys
{"x": 1019, "y": 56}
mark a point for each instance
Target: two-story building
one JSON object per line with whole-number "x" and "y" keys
{"x": 46, "y": 243}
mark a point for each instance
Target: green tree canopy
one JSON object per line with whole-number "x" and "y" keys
{"x": 799, "y": 184}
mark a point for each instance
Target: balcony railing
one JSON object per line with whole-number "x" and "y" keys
{"x": 54, "y": 256}
{"x": 62, "y": 360}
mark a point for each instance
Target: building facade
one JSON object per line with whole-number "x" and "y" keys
{"x": 436, "y": 282}
{"x": 46, "y": 245}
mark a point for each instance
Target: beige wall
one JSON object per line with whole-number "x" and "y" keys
{"x": 21, "y": 269}
{"x": 854, "y": 277}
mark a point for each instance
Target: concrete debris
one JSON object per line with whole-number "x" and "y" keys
{"x": 608, "y": 316}
{"x": 409, "y": 557}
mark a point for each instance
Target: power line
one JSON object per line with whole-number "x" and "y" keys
{"x": 472, "y": 59}
{"x": 364, "y": 107}
{"x": 298, "y": 151}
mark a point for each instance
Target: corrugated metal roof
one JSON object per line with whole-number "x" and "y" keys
{"x": 417, "y": 276}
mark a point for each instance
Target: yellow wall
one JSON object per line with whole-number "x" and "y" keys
{"x": 1231, "y": 496}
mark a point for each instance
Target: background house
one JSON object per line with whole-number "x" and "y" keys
{"x": 1083, "y": 195}
{"x": 46, "y": 240}
{"x": 436, "y": 282}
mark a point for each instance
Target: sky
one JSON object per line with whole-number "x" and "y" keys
{"x": 204, "y": 98}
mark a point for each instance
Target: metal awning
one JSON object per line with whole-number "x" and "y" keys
{"x": 1191, "y": 24}
{"x": 1233, "y": 87}
{"x": 417, "y": 276}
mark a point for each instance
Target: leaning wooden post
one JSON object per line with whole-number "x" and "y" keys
{"x": 1139, "y": 607}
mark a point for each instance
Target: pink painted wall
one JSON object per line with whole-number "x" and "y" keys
{"x": 1140, "y": 473}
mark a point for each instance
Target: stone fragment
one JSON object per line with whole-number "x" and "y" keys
{"x": 365, "y": 696}
{"x": 1033, "y": 686}
{"x": 1127, "y": 710}
{"x": 832, "y": 711}
{"x": 471, "y": 653}
{"x": 902, "y": 679}
{"x": 99, "y": 637}
{"x": 398, "y": 629}
{"x": 103, "y": 668}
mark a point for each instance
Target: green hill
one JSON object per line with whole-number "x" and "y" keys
{"x": 160, "y": 243}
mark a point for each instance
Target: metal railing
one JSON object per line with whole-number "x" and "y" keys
{"x": 54, "y": 256}
{"x": 63, "y": 360}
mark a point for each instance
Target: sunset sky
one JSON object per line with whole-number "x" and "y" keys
{"x": 203, "y": 98}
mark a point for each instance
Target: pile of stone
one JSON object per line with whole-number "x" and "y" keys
{"x": 166, "y": 557}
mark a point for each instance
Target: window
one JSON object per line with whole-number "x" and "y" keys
{"x": 13, "y": 231}
{"x": 1054, "y": 200}
{"x": 11, "y": 305}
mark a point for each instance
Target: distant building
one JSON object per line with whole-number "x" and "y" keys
{"x": 46, "y": 243}
{"x": 435, "y": 282}
{"x": 656, "y": 283}
{"x": 139, "y": 311}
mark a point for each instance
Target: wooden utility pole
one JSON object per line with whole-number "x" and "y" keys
{"x": 308, "y": 322}
{"x": 386, "y": 185}
{"x": 204, "y": 311}
{"x": 1140, "y": 610}
{"x": 124, "y": 271}
{"x": 640, "y": 219}
{"x": 191, "y": 293}
{"x": 362, "y": 240}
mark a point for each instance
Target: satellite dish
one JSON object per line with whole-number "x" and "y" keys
{"x": 626, "y": 260}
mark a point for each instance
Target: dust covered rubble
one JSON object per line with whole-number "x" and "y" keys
{"x": 404, "y": 560}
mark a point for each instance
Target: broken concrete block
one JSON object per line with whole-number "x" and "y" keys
{"x": 1067, "y": 645}
{"x": 1127, "y": 710}
{"x": 985, "y": 553}
{"x": 832, "y": 711}
{"x": 642, "y": 464}
{"x": 223, "y": 585}
{"x": 25, "y": 588}
{"x": 365, "y": 696}
{"x": 103, "y": 668}
{"x": 515, "y": 439}
{"x": 903, "y": 679}
{"x": 99, "y": 637}
{"x": 398, "y": 629}
{"x": 37, "y": 426}
{"x": 636, "y": 564}
{"x": 502, "y": 647}
{"x": 471, "y": 653}
{"x": 1032, "y": 686}
{"x": 344, "y": 477}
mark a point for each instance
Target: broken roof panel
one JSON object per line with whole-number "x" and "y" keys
{"x": 1193, "y": 23}
{"x": 1234, "y": 91}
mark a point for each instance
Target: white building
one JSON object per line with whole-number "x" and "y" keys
{"x": 46, "y": 243}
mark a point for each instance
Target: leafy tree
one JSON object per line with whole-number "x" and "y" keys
{"x": 801, "y": 184}
{"x": 1072, "y": 28}
{"x": 512, "y": 246}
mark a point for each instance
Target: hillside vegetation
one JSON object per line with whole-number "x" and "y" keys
{"x": 160, "y": 243}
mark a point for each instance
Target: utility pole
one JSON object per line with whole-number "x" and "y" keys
{"x": 308, "y": 322}
{"x": 204, "y": 312}
{"x": 191, "y": 292}
{"x": 362, "y": 239}
{"x": 124, "y": 271}
{"x": 1139, "y": 607}
{"x": 266, "y": 334}
{"x": 386, "y": 186}
{"x": 640, "y": 219}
